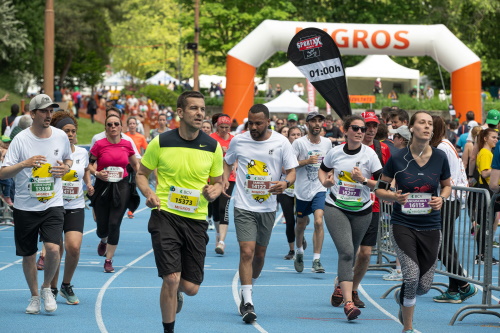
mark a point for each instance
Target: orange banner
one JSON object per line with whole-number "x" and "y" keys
{"x": 362, "y": 98}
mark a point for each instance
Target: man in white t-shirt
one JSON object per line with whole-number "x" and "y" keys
{"x": 38, "y": 157}
{"x": 309, "y": 193}
{"x": 261, "y": 155}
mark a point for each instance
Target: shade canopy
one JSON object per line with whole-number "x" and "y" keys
{"x": 287, "y": 102}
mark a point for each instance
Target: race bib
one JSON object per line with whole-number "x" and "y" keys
{"x": 257, "y": 184}
{"x": 349, "y": 191}
{"x": 183, "y": 199}
{"x": 115, "y": 174}
{"x": 417, "y": 204}
{"x": 290, "y": 190}
{"x": 41, "y": 187}
{"x": 70, "y": 190}
{"x": 320, "y": 157}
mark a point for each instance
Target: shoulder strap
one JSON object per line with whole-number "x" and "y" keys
{"x": 378, "y": 150}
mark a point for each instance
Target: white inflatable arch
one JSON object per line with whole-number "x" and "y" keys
{"x": 435, "y": 41}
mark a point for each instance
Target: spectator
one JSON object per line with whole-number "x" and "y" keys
{"x": 9, "y": 120}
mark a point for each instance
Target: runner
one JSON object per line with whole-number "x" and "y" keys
{"x": 419, "y": 170}
{"x": 221, "y": 204}
{"x": 309, "y": 193}
{"x": 261, "y": 155}
{"x": 177, "y": 224}
{"x": 74, "y": 204}
{"x": 348, "y": 211}
{"x": 38, "y": 157}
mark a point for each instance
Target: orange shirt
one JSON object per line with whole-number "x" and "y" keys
{"x": 139, "y": 140}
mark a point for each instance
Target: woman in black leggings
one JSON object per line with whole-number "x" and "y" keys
{"x": 416, "y": 220}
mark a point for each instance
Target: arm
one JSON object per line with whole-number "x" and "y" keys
{"x": 141, "y": 179}
{"x": 358, "y": 177}
{"x": 389, "y": 195}
{"x": 134, "y": 162}
{"x": 437, "y": 202}
{"x": 212, "y": 191}
{"x": 311, "y": 160}
{"x": 494, "y": 178}
{"x": 12, "y": 170}
{"x": 102, "y": 175}
{"x": 225, "y": 177}
{"x": 325, "y": 177}
{"x": 280, "y": 186}
{"x": 88, "y": 182}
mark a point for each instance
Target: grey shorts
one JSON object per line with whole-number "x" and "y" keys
{"x": 253, "y": 226}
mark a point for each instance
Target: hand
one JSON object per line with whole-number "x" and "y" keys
{"x": 153, "y": 201}
{"x": 401, "y": 198}
{"x": 225, "y": 186}
{"x": 102, "y": 175}
{"x": 436, "y": 203}
{"x": 357, "y": 175}
{"x": 278, "y": 187}
{"x": 90, "y": 190}
{"x": 313, "y": 159}
{"x": 329, "y": 180}
{"x": 210, "y": 192}
{"x": 35, "y": 161}
{"x": 5, "y": 98}
{"x": 59, "y": 170}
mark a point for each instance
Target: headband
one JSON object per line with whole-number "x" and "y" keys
{"x": 223, "y": 120}
{"x": 65, "y": 121}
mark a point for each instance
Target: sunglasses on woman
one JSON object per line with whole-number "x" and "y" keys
{"x": 356, "y": 128}
{"x": 113, "y": 124}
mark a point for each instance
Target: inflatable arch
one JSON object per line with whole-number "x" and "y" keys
{"x": 435, "y": 41}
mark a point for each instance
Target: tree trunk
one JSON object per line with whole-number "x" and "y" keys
{"x": 67, "y": 66}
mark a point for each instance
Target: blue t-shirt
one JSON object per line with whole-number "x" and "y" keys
{"x": 495, "y": 164}
{"x": 416, "y": 179}
{"x": 462, "y": 141}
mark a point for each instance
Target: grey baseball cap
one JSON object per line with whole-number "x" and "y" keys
{"x": 42, "y": 101}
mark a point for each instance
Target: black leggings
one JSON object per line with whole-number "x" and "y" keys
{"x": 449, "y": 213}
{"x": 110, "y": 203}
{"x": 220, "y": 206}
{"x": 288, "y": 206}
{"x": 417, "y": 251}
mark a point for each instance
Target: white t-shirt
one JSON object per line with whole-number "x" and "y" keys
{"x": 351, "y": 195}
{"x": 102, "y": 135}
{"x": 259, "y": 163}
{"x": 26, "y": 145}
{"x": 458, "y": 175}
{"x": 74, "y": 178}
{"x": 307, "y": 183}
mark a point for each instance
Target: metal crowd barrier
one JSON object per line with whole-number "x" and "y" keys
{"x": 6, "y": 215}
{"x": 467, "y": 229}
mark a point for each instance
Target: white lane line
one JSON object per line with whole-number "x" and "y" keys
{"x": 379, "y": 307}
{"x": 236, "y": 298}
{"x": 102, "y": 291}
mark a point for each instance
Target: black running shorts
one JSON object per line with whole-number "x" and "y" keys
{"x": 74, "y": 220}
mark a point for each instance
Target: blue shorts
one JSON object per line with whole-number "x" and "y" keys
{"x": 305, "y": 208}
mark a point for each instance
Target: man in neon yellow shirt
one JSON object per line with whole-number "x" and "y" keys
{"x": 185, "y": 158}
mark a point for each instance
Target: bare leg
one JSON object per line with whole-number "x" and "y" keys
{"x": 300, "y": 227}
{"x": 110, "y": 251}
{"x": 247, "y": 252}
{"x": 258, "y": 260}
{"x": 52, "y": 261}
{"x": 361, "y": 265}
{"x": 31, "y": 274}
{"x": 319, "y": 233}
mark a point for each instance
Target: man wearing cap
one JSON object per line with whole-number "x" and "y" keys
{"x": 38, "y": 157}
{"x": 309, "y": 192}
{"x": 370, "y": 237}
{"x": 292, "y": 120}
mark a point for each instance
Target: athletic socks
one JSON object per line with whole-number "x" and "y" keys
{"x": 316, "y": 256}
{"x": 168, "y": 327}
{"x": 300, "y": 250}
{"x": 246, "y": 292}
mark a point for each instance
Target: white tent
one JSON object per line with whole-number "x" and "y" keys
{"x": 119, "y": 79}
{"x": 162, "y": 77}
{"x": 287, "y": 102}
{"x": 360, "y": 78}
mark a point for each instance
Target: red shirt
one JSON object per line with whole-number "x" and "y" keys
{"x": 386, "y": 153}
{"x": 225, "y": 146}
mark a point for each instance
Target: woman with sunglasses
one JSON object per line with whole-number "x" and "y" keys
{"x": 347, "y": 170}
{"x": 420, "y": 171}
{"x": 112, "y": 190}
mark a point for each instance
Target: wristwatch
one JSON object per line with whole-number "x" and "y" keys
{"x": 444, "y": 199}
{"x": 365, "y": 181}
{"x": 287, "y": 183}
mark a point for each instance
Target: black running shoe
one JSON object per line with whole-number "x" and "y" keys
{"x": 248, "y": 313}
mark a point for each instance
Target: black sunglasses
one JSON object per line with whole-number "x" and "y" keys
{"x": 279, "y": 123}
{"x": 356, "y": 128}
{"x": 116, "y": 124}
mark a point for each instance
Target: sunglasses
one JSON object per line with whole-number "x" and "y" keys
{"x": 113, "y": 124}
{"x": 356, "y": 128}
{"x": 279, "y": 123}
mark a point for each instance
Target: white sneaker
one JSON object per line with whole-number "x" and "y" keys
{"x": 34, "y": 306}
{"x": 211, "y": 225}
{"x": 49, "y": 300}
{"x": 394, "y": 275}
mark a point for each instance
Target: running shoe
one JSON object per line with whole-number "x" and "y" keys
{"x": 180, "y": 301}
{"x": 35, "y": 305}
{"x": 211, "y": 225}
{"x": 409, "y": 331}
{"x": 248, "y": 313}
{"x": 465, "y": 295}
{"x": 480, "y": 260}
{"x": 355, "y": 298}
{"x": 394, "y": 275}
{"x": 48, "y": 300}
{"x": 496, "y": 244}
{"x": 337, "y": 298}
{"x": 54, "y": 292}
{"x": 102, "y": 249}
{"x": 40, "y": 263}
{"x": 351, "y": 311}
{"x": 220, "y": 248}
{"x": 299, "y": 262}
{"x": 317, "y": 267}
{"x": 67, "y": 292}
{"x": 130, "y": 215}
{"x": 108, "y": 267}
{"x": 290, "y": 255}
{"x": 448, "y": 297}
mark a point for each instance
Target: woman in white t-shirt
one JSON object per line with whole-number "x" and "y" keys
{"x": 347, "y": 170}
